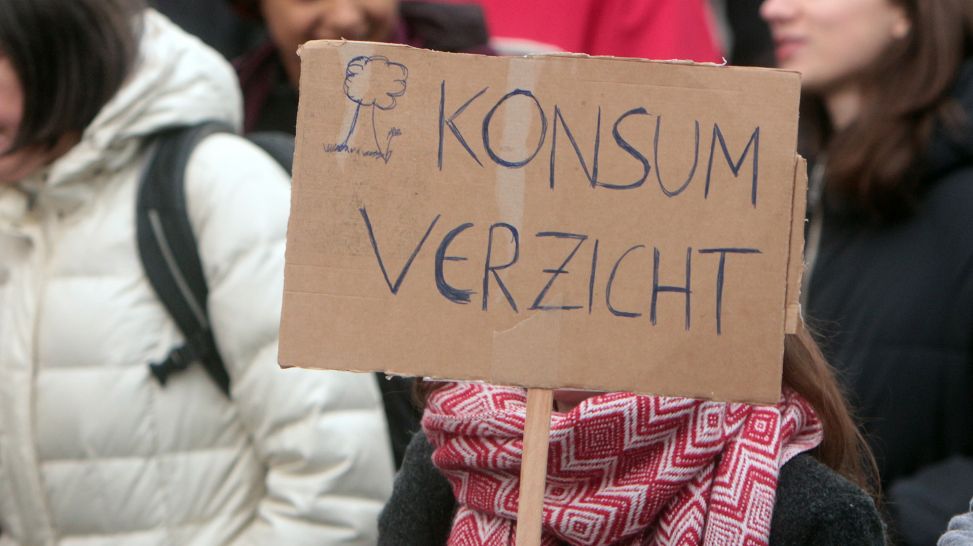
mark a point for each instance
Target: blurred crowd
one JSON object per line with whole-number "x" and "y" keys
{"x": 140, "y": 413}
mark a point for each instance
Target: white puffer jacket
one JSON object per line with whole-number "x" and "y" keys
{"x": 93, "y": 451}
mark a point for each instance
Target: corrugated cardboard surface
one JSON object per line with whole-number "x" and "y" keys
{"x": 412, "y": 157}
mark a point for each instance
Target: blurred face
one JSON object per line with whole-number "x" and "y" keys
{"x": 23, "y": 162}
{"x": 14, "y": 166}
{"x": 293, "y": 22}
{"x": 831, "y": 42}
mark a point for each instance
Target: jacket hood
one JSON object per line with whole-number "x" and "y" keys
{"x": 176, "y": 80}
{"x": 952, "y": 148}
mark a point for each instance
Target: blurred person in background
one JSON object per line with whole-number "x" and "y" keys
{"x": 93, "y": 449}
{"x": 651, "y": 29}
{"x": 625, "y": 469}
{"x": 270, "y": 73}
{"x": 214, "y": 22}
{"x": 887, "y": 109}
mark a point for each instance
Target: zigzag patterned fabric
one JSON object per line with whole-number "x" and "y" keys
{"x": 622, "y": 469}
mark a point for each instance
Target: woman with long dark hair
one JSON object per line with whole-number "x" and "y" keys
{"x": 94, "y": 447}
{"x": 628, "y": 469}
{"x": 888, "y": 103}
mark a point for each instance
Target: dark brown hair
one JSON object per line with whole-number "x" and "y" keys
{"x": 71, "y": 57}
{"x": 877, "y": 161}
{"x": 843, "y": 448}
{"x": 806, "y": 371}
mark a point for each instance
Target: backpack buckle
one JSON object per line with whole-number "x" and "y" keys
{"x": 178, "y": 359}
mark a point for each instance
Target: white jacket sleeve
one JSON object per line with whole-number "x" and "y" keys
{"x": 322, "y": 434}
{"x": 960, "y": 530}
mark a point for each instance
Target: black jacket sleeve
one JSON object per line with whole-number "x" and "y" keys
{"x": 420, "y": 511}
{"x": 815, "y": 506}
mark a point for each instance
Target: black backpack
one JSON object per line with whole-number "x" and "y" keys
{"x": 167, "y": 247}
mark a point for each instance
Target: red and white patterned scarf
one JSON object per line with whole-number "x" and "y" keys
{"x": 622, "y": 469}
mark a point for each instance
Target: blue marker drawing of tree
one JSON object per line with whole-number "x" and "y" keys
{"x": 374, "y": 82}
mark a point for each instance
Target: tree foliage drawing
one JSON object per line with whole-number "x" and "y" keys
{"x": 373, "y": 82}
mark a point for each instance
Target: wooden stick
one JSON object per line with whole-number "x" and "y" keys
{"x": 533, "y": 471}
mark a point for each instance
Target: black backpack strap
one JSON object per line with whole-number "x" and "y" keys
{"x": 279, "y": 146}
{"x": 169, "y": 253}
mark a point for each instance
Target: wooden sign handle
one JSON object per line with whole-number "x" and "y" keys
{"x": 533, "y": 470}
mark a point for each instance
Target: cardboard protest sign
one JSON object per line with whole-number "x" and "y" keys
{"x": 551, "y": 222}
